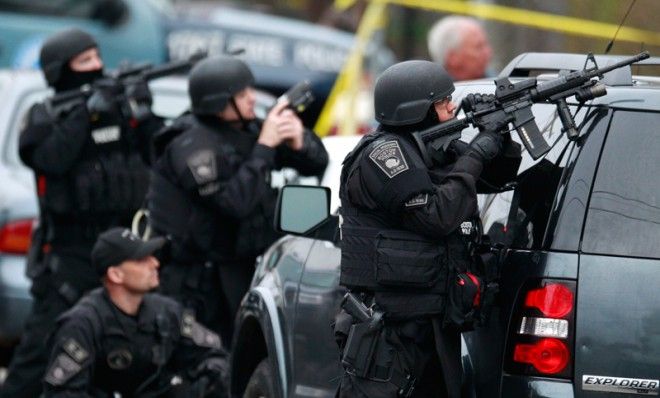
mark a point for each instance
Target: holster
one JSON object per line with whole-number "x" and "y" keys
{"x": 369, "y": 354}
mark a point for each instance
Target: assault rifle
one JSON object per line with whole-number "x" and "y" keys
{"x": 513, "y": 102}
{"x": 123, "y": 78}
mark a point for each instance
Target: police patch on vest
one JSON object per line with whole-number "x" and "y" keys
{"x": 75, "y": 350}
{"x": 62, "y": 370}
{"x": 202, "y": 166}
{"x": 419, "y": 200}
{"x": 466, "y": 227}
{"x": 106, "y": 134}
{"x": 389, "y": 158}
{"x": 119, "y": 359}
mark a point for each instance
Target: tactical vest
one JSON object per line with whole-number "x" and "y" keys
{"x": 106, "y": 184}
{"x": 130, "y": 354}
{"x": 408, "y": 273}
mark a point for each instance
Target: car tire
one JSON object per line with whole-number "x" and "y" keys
{"x": 262, "y": 382}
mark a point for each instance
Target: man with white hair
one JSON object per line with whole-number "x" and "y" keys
{"x": 460, "y": 45}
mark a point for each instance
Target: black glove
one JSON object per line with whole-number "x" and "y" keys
{"x": 494, "y": 121}
{"x": 485, "y": 146}
{"x": 138, "y": 90}
{"x": 102, "y": 104}
{"x": 478, "y": 102}
{"x": 138, "y": 100}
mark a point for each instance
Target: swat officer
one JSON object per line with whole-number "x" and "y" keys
{"x": 406, "y": 229}
{"x": 122, "y": 339}
{"x": 210, "y": 191}
{"x": 89, "y": 162}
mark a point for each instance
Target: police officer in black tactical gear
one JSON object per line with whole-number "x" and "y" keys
{"x": 210, "y": 191}
{"x": 90, "y": 169}
{"x": 407, "y": 230}
{"x": 122, "y": 339}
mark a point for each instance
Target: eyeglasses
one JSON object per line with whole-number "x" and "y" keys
{"x": 445, "y": 100}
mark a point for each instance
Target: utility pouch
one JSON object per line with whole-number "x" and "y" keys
{"x": 404, "y": 259}
{"x": 464, "y": 302}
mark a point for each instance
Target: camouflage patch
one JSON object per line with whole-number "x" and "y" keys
{"x": 203, "y": 167}
{"x": 419, "y": 200}
{"x": 389, "y": 158}
{"x": 75, "y": 350}
{"x": 119, "y": 359}
{"x": 63, "y": 369}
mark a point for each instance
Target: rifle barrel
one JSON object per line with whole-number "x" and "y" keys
{"x": 627, "y": 61}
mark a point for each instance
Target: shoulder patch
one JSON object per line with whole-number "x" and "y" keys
{"x": 389, "y": 158}
{"x": 416, "y": 201}
{"x": 203, "y": 166}
{"x": 62, "y": 369}
{"x": 200, "y": 335}
{"x": 75, "y": 350}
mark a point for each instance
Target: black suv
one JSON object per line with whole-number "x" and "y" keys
{"x": 578, "y": 314}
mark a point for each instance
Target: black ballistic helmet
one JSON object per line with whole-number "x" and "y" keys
{"x": 214, "y": 81}
{"x": 405, "y": 91}
{"x": 58, "y": 50}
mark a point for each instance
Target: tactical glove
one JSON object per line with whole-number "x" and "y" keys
{"x": 102, "y": 104}
{"x": 478, "y": 102}
{"x": 138, "y": 100}
{"x": 485, "y": 146}
{"x": 494, "y": 121}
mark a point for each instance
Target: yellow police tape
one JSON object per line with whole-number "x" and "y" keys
{"x": 350, "y": 75}
{"x": 535, "y": 19}
{"x": 374, "y": 18}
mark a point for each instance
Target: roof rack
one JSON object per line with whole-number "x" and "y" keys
{"x": 533, "y": 64}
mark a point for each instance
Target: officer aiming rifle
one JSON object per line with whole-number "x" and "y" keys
{"x": 127, "y": 86}
{"x": 513, "y": 102}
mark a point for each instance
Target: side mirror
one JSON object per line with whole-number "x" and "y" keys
{"x": 302, "y": 208}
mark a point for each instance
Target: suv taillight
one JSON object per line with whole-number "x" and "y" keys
{"x": 15, "y": 236}
{"x": 541, "y": 337}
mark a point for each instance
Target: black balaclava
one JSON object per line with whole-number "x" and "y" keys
{"x": 70, "y": 79}
{"x": 56, "y": 53}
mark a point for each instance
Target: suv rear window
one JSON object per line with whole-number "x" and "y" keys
{"x": 624, "y": 210}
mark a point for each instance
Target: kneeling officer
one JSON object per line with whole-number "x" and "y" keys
{"x": 122, "y": 339}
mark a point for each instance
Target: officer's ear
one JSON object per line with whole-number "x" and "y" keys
{"x": 115, "y": 275}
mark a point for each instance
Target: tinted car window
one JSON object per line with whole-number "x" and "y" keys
{"x": 624, "y": 210}
{"x": 538, "y": 181}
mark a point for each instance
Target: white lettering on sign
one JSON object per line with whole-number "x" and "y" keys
{"x": 260, "y": 50}
{"x": 622, "y": 385}
{"x": 318, "y": 57}
{"x": 181, "y": 44}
